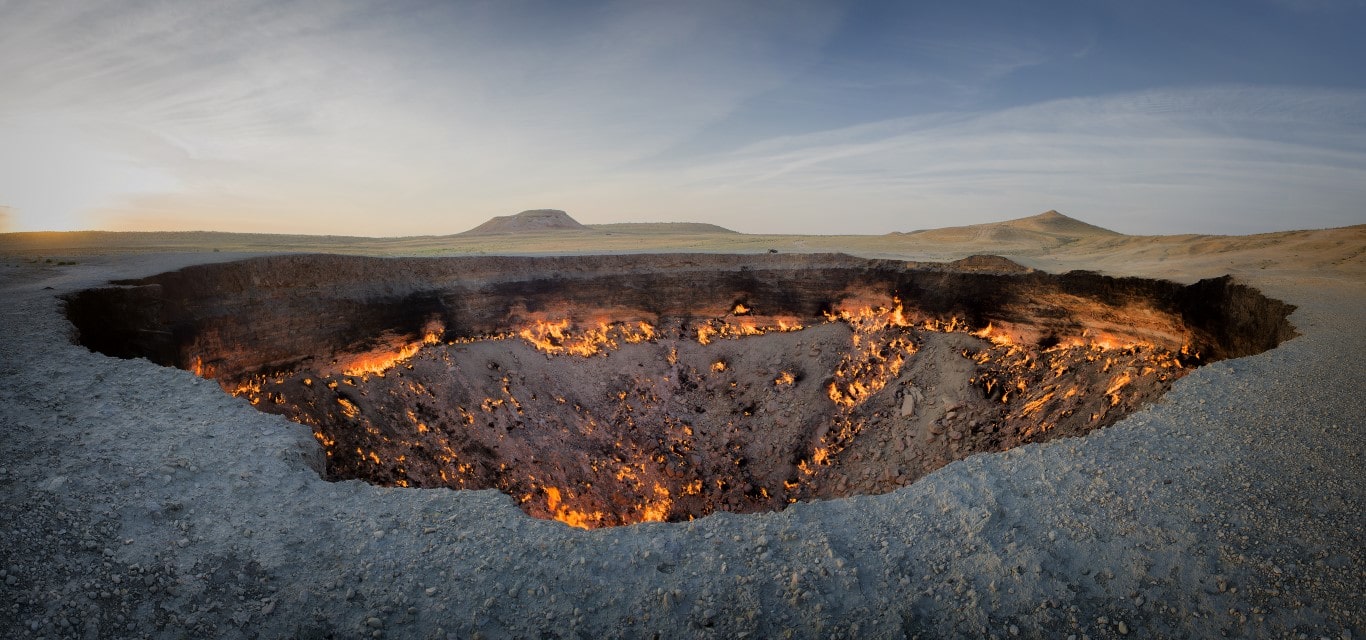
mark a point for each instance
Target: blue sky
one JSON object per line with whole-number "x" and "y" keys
{"x": 407, "y": 118}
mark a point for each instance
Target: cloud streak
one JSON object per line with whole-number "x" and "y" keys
{"x": 357, "y": 108}
{"x": 1147, "y": 162}
{"x": 363, "y": 117}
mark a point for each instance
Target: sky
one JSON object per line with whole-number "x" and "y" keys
{"x": 398, "y": 118}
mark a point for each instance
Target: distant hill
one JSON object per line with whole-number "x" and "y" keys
{"x": 540, "y": 220}
{"x": 531, "y": 220}
{"x": 1049, "y": 228}
{"x": 660, "y": 228}
{"x": 1056, "y": 223}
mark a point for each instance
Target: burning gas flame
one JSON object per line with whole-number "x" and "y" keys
{"x": 571, "y": 517}
{"x": 881, "y": 346}
{"x": 654, "y": 508}
{"x": 704, "y": 334}
{"x": 644, "y": 333}
{"x": 990, "y": 334}
{"x": 349, "y": 408}
{"x": 560, "y": 337}
{"x": 555, "y": 338}
{"x": 379, "y": 361}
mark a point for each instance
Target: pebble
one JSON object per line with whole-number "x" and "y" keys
{"x": 1122, "y": 628}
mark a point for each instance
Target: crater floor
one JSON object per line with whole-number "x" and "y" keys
{"x": 604, "y": 391}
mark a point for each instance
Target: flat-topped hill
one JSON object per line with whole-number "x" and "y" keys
{"x": 528, "y": 221}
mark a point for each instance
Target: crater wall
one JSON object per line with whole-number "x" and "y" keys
{"x": 606, "y": 390}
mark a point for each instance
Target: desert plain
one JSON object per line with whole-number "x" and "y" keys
{"x": 144, "y": 501}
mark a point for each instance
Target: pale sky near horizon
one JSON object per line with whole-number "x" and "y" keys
{"x": 390, "y": 117}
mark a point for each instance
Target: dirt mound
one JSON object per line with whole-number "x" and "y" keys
{"x": 532, "y": 220}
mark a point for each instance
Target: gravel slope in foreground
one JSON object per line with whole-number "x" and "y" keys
{"x": 140, "y": 501}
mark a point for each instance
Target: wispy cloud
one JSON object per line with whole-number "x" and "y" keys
{"x": 1229, "y": 159}
{"x": 352, "y": 108}
{"x": 383, "y": 118}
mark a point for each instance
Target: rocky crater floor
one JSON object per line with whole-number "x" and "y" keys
{"x": 794, "y": 435}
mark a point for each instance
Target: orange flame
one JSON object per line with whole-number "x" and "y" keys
{"x": 990, "y": 334}
{"x": 349, "y": 408}
{"x": 1119, "y": 382}
{"x": 654, "y": 509}
{"x": 876, "y": 358}
{"x": 379, "y": 361}
{"x": 580, "y": 519}
{"x": 1036, "y": 404}
{"x": 645, "y": 332}
{"x": 555, "y": 338}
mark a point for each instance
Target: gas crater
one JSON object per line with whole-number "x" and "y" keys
{"x": 612, "y": 390}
